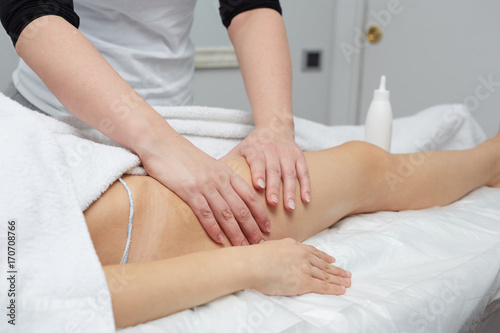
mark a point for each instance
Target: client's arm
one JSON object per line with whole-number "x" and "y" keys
{"x": 146, "y": 291}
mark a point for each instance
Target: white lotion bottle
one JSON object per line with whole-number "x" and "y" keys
{"x": 378, "y": 126}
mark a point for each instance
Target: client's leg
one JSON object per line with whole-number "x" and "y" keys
{"x": 353, "y": 178}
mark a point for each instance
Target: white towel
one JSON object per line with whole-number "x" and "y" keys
{"x": 59, "y": 284}
{"x": 52, "y": 170}
{"x": 216, "y": 131}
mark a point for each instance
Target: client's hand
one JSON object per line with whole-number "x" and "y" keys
{"x": 287, "y": 267}
{"x": 216, "y": 194}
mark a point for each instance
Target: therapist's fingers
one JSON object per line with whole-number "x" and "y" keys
{"x": 231, "y": 205}
{"x": 243, "y": 220}
{"x": 203, "y": 212}
{"x": 257, "y": 162}
{"x": 273, "y": 173}
{"x": 289, "y": 176}
{"x": 304, "y": 178}
{"x": 258, "y": 214}
{"x": 225, "y": 218}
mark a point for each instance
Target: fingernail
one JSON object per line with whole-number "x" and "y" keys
{"x": 244, "y": 243}
{"x": 342, "y": 288}
{"x": 349, "y": 275}
{"x": 262, "y": 241}
{"x": 221, "y": 239}
{"x": 274, "y": 198}
{"x": 261, "y": 183}
{"x": 347, "y": 281}
{"x": 268, "y": 226}
{"x": 308, "y": 197}
{"x": 291, "y": 204}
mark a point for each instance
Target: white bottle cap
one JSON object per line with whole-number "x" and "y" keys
{"x": 381, "y": 94}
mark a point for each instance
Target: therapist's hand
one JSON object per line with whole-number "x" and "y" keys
{"x": 219, "y": 197}
{"x": 273, "y": 155}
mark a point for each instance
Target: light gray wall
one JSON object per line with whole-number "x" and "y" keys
{"x": 309, "y": 26}
{"x": 8, "y": 59}
{"x": 207, "y": 28}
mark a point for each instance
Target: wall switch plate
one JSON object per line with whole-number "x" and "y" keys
{"x": 312, "y": 60}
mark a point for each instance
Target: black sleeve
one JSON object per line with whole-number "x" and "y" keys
{"x": 230, "y": 8}
{"x": 17, "y": 14}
